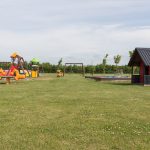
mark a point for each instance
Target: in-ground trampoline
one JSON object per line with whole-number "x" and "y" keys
{"x": 109, "y": 78}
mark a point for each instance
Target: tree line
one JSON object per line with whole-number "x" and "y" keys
{"x": 109, "y": 69}
{"x": 46, "y": 67}
{"x": 103, "y": 67}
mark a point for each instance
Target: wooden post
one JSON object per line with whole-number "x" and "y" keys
{"x": 83, "y": 70}
{"x": 142, "y": 72}
{"x": 7, "y": 80}
{"x": 65, "y": 70}
{"x": 132, "y": 72}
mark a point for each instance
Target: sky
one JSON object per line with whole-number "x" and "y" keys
{"x": 76, "y": 30}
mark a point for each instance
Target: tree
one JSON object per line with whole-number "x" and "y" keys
{"x": 104, "y": 63}
{"x": 91, "y": 69}
{"x": 59, "y": 63}
{"x": 46, "y": 67}
{"x": 117, "y": 60}
{"x": 131, "y": 53}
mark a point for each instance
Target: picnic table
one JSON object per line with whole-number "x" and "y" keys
{"x": 7, "y": 78}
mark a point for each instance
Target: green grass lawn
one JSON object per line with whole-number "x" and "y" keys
{"x": 73, "y": 113}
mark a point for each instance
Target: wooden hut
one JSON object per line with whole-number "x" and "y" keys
{"x": 141, "y": 59}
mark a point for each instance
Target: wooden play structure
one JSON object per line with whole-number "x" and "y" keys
{"x": 16, "y": 70}
{"x": 141, "y": 59}
{"x": 81, "y": 64}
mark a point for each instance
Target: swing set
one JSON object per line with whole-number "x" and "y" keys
{"x": 70, "y": 64}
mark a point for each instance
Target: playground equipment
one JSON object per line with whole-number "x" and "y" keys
{"x": 35, "y": 71}
{"x": 35, "y": 68}
{"x": 2, "y": 72}
{"x": 16, "y": 70}
{"x": 81, "y": 64}
{"x": 60, "y": 73}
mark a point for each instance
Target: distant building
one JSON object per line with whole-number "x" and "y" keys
{"x": 141, "y": 59}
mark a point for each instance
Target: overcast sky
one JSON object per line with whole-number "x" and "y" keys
{"x": 77, "y": 30}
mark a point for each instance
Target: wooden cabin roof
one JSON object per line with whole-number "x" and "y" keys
{"x": 140, "y": 54}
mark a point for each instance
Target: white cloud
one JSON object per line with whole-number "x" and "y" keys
{"x": 81, "y": 41}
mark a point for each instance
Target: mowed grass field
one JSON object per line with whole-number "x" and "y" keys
{"x": 73, "y": 113}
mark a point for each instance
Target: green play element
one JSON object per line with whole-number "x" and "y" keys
{"x": 35, "y": 61}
